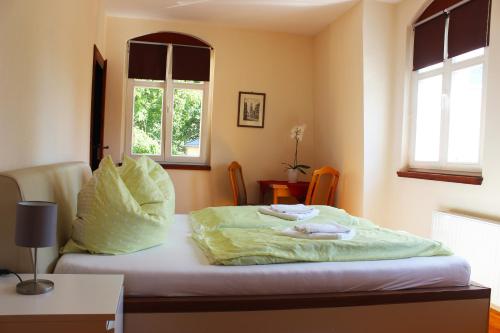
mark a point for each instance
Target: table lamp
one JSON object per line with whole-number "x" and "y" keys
{"x": 36, "y": 225}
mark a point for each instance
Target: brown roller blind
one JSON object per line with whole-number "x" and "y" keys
{"x": 147, "y": 61}
{"x": 437, "y": 6}
{"x": 176, "y": 38}
{"x": 469, "y": 27}
{"x": 191, "y": 63}
{"x": 428, "y": 47}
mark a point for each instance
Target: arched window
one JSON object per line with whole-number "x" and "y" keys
{"x": 448, "y": 85}
{"x": 168, "y": 95}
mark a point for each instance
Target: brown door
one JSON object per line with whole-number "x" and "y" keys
{"x": 97, "y": 109}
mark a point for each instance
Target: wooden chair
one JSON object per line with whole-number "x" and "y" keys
{"x": 332, "y": 187}
{"x": 237, "y": 184}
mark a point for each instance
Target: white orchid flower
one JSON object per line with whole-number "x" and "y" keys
{"x": 297, "y": 132}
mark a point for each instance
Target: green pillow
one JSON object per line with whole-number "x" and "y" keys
{"x": 123, "y": 209}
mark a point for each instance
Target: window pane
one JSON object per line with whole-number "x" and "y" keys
{"x": 428, "y": 128}
{"x": 187, "y": 122}
{"x": 147, "y": 117}
{"x": 148, "y": 81}
{"x": 189, "y": 82}
{"x": 465, "y": 115}
{"x": 430, "y": 68}
{"x": 468, "y": 55}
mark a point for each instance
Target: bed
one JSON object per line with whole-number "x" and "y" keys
{"x": 180, "y": 262}
{"x": 174, "y": 286}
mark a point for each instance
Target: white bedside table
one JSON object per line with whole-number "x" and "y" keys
{"x": 79, "y": 303}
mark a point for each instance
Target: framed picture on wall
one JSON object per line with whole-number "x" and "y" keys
{"x": 251, "y": 109}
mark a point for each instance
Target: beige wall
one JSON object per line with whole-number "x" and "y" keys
{"x": 101, "y": 27}
{"x": 45, "y": 80}
{"x": 410, "y": 202}
{"x": 338, "y": 108}
{"x": 378, "y": 39}
{"x": 277, "y": 64}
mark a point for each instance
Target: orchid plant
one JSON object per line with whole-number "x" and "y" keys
{"x": 297, "y": 134}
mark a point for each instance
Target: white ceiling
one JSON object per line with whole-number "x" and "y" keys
{"x": 306, "y": 17}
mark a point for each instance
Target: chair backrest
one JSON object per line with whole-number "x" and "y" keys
{"x": 237, "y": 184}
{"x": 314, "y": 185}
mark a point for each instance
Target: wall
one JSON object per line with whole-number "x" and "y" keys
{"x": 45, "y": 85}
{"x": 101, "y": 28}
{"x": 277, "y": 64}
{"x": 338, "y": 108}
{"x": 410, "y": 202}
{"x": 378, "y": 37}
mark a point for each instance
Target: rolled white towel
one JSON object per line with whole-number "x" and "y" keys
{"x": 313, "y": 228}
{"x": 289, "y": 216}
{"x": 291, "y": 232}
{"x": 292, "y": 209}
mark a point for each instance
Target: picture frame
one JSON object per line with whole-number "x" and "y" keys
{"x": 251, "y": 109}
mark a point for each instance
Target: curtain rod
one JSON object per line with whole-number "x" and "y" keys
{"x": 445, "y": 11}
{"x": 166, "y": 44}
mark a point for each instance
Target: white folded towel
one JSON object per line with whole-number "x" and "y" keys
{"x": 313, "y": 228}
{"x": 289, "y": 216}
{"x": 292, "y": 209}
{"x": 291, "y": 232}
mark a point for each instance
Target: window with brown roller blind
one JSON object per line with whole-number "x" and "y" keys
{"x": 168, "y": 99}
{"x": 468, "y": 29}
{"x": 447, "y": 87}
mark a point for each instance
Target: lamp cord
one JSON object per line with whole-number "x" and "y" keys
{"x": 4, "y": 271}
{"x": 20, "y": 280}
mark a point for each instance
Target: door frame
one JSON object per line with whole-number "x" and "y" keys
{"x": 98, "y": 60}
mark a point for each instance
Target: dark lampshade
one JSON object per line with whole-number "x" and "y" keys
{"x": 36, "y": 223}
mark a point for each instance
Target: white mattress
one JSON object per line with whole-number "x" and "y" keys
{"x": 179, "y": 268}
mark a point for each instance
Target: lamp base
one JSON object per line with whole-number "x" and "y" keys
{"x": 32, "y": 287}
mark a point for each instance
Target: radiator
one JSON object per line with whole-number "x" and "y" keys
{"x": 476, "y": 240}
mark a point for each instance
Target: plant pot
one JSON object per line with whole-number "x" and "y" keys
{"x": 293, "y": 175}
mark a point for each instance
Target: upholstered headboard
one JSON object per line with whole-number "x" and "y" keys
{"x": 59, "y": 183}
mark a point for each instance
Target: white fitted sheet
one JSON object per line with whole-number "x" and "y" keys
{"x": 179, "y": 268}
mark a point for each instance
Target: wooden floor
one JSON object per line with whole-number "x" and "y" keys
{"x": 494, "y": 321}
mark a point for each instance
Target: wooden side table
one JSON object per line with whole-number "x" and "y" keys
{"x": 282, "y": 188}
{"x": 79, "y": 303}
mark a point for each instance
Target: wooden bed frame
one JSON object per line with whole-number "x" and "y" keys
{"x": 440, "y": 310}
{"x": 134, "y": 304}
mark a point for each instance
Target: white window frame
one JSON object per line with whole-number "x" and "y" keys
{"x": 168, "y": 87}
{"x": 446, "y": 71}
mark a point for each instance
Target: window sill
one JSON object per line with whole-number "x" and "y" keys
{"x": 174, "y": 166}
{"x": 443, "y": 176}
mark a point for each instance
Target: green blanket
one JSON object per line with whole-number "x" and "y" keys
{"x": 243, "y": 236}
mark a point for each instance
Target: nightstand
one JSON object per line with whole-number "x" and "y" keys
{"x": 79, "y": 303}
